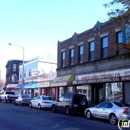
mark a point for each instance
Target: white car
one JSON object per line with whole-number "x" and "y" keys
{"x": 41, "y": 101}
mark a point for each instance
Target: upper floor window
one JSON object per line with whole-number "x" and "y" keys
{"x": 71, "y": 56}
{"x": 14, "y": 78}
{"x": 14, "y": 67}
{"x": 104, "y": 47}
{"x": 63, "y": 59}
{"x": 30, "y": 71}
{"x": 119, "y": 41}
{"x": 80, "y": 52}
{"x": 91, "y": 50}
{"x": 24, "y": 72}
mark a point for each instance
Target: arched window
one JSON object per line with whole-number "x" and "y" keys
{"x": 14, "y": 78}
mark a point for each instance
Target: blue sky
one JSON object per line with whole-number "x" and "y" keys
{"x": 37, "y": 25}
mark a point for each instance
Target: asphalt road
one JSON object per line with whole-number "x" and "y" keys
{"x": 25, "y": 118}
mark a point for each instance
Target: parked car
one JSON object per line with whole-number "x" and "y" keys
{"x": 23, "y": 100}
{"x": 112, "y": 111}
{"x": 8, "y": 96}
{"x": 41, "y": 101}
{"x": 71, "y": 103}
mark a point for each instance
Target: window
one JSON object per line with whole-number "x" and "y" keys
{"x": 14, "y": 78}
{"x": 29, "y": 71}
{"x": 91, "y": 51}
{"x": 71, "y": 57}
{"x": 24, "y": 72}
{"x": 119, "y": 41}
{"x": 14, "y": 67}
{"x": 103, "y": 105}
{"x": 104, "y": 47}
{"x": 63, "y": 59}
{"x": 80, "y": 54}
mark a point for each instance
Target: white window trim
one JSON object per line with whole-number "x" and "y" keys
{"x": 80, "y": 43}
{"x": 91, "y": 39}
{"x": 103, "y": 35}
{"x": 71, "y": 47}
{"x": 62, "y": 50}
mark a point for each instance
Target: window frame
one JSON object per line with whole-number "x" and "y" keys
{"x": 80, "y": 54}
{"x": 71, "y": 56}
{"x": 62, "y": 59}
{"x": 104, "y": 48}
{"x": 91, "y": 51}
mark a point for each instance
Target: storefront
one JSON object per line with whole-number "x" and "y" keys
{"x": 44, "y": 85}
{"x": 12, "y": 88}
{"x": 112, "y": 85}
{"x": 30, "y": 89}
{"x": 63, "y": 85}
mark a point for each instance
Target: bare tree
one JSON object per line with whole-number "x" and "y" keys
{"x": 2, "y": 83}
{"x": 120, "y": 11}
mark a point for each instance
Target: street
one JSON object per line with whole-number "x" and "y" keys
{"x": 25, "y": 118}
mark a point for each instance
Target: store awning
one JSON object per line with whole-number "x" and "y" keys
{"x": 19, "y": 86}
{"x": 63, "y": 81}
{"x": 30, "y": 85}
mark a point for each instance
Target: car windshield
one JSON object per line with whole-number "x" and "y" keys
{"x": 12, "y": 93}
{"x": 119, "y": 104}
{"x": 46, "y": 98}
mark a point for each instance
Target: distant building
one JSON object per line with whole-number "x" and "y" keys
{"x": 38, "y": 73}
{"x": 12, "y": 75}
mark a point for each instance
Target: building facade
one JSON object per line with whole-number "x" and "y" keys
{"x": 98, "y": 68}
{"x": 34, "y": 71}
{"x": 12, "y": 75}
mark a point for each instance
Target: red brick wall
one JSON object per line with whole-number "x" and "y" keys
{"x": 108, "y": 27}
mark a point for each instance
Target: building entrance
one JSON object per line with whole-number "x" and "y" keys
{"x": 97, "y": 93}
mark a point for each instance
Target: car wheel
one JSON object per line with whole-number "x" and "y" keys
{"x": 83, "y": 102}
{"x": 88, "y": 115}
{"x": 113, "y": 119}
{"x": 39, "y": 106}
{"x": 67, "y": 111}
{"x": 30, "y": 105}
{"x": 54, "y": 108}
{"x": 10, "y": 101}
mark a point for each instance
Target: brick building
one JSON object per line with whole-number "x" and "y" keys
{"x": 89, "y": 64}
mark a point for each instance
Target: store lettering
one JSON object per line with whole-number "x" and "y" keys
{"x": 103, "y": 76}
{"x": 126, "y": 78}
{"x": 99, "y": 80}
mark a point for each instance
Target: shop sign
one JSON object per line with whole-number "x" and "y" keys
{"x": 111, "y": 76}
{"x": 49, "y": 76}
{"x": 125, "y": 78}
{"x": 43, "y": 84}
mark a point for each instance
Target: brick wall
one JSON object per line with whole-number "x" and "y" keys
{"x": 95, "y": 32}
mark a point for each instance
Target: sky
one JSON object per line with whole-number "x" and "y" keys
{"x": 37, "y": 25}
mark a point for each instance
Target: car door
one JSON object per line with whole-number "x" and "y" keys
{"x": 38, "y": 98}
{"x": 101, "y": 109}
{"x": 107, "y": 110}
{"x": 59, "y": 104}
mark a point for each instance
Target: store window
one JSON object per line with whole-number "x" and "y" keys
{"x": 61, "y": 91}
{"x": 127, "y": 92}
{"x": 86, "y": 90}
{"x": 114, "y": 92}
{"x": 70, "y": 89}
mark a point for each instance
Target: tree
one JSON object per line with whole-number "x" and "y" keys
{"x": 2, "y": 83}
{"x": 120, "y": 12}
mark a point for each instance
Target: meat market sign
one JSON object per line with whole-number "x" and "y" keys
{"x": 111, "y": 76}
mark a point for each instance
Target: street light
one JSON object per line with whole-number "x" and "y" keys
{"x": 23, "y": 59}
